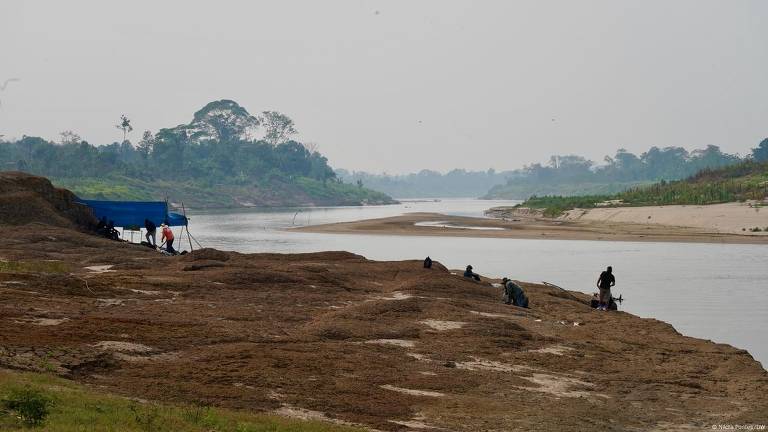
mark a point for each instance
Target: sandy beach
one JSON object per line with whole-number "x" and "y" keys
{"x": 733, "y": 218}
{"x": 700, "y": 224}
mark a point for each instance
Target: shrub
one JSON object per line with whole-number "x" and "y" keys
{"x": 30, "y": 404}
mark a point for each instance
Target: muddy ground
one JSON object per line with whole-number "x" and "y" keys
{"x": 388, "y": 345}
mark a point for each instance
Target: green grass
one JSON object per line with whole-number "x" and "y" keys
{"x": 33, "y": 267}
{"x": 741, "y": 182}
{"x": 197, "y": 194}
{"x": 76, "y": 408}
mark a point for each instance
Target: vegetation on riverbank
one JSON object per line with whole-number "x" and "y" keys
{"x": 32, "y": 401}
{"x": 569, "y": 175}
{"x": 225, "y": 157}
{"x": 747, "y": 180}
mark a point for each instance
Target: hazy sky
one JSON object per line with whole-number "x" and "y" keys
{"x": 398, "y": 86}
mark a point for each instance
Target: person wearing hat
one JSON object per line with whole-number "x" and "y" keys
{"x": 468, "y": 273}
{"x": 513, "y": 294}
{"x": 168, "y": 238}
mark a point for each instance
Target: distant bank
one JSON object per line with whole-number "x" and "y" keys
{"x": 633, "y": 225}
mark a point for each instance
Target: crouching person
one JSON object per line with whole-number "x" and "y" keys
{"x": 513, "y": 294}
{"x": 168, "y": 238}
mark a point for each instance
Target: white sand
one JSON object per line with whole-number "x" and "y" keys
{"x": 721, "y": 218}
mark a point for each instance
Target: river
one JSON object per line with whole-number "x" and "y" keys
{"x": 709, "y": 291}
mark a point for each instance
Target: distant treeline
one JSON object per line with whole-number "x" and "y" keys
{"x": 167, "y": 157}
{"x": 429, "y": 184}
{"x": 567, "y": 175}
{"x": 572, "y": 175}
{"x": 746, "y": 180}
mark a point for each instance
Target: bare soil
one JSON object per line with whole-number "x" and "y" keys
{"x": 334, "y": 336}
{"x": 389, "y": 345}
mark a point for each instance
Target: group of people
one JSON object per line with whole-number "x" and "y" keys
{"x": 167, "y": 236}
{"x": 514, "y": 294}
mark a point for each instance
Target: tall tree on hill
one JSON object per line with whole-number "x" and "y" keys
{"x": 125, "y": 126}
{"x": 278, "y": 126}
{"x": 146, "y": 144}
{"x": 69, "y": 137}
{"x": 760, "y": 153}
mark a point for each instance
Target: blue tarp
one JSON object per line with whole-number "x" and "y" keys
{"x": 132, "y": 213}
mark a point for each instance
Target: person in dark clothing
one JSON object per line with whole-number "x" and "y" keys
{"x": 102, "y": 225}
{"x": 513, "y": 294}
{"x": 428, "y": 262}
{"x": 468, "y": 273}
{"x": 604, "y": 284}
{"x": 110, "y": 232}
{"x": 151, "y": 232}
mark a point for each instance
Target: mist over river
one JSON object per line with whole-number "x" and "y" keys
{"x": 709, "y": 291}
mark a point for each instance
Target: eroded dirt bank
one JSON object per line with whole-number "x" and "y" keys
{"x": 389, "y": 345}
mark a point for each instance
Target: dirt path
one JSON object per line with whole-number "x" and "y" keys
{"x": 386, "y": 344}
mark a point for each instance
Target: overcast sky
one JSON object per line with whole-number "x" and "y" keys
{"x": 399, "y": 86}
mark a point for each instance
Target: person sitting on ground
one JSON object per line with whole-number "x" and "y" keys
{"x": 604, "y": 284}
{"x": 151, "y": 232}
{"x": 168, "y": 238}
{"x": 513, "y": 294}
{"x": 468, "y": 273}
{"x": 427, "y": 262}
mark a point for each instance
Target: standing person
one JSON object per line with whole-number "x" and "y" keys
{"x": 151, "y": 232}
{"x": 427, "y": 262}
{"x": 604, "y": 283}
{"x": 168, "y": 238}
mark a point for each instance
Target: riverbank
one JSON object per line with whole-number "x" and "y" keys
{"x": 387, "y": 345}
{"x": 338, "y": 338}
{"x": 526, "y": 225}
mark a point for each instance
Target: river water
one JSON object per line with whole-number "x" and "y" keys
{"x": 709, "y": 291}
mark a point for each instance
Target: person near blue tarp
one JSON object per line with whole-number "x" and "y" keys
{"x": 513, "y": 294}
{"x": 110, "y": 231}
{"x": 468, "y": 273}
{"x": 168, "y": 238}
{"x": 151, "y": 232}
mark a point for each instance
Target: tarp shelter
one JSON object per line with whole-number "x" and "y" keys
{"x": 132, "y": 213}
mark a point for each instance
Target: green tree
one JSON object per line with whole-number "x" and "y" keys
{"x": 760, "y": 153}
{"x": 146, "y": 145}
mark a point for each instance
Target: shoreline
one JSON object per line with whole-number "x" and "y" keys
{"x": 410, "y": 339}
{"x": 532, "y": 227}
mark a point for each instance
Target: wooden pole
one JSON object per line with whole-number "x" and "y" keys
{"x": 186, "y": 224}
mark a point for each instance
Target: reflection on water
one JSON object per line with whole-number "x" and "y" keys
{"x": 710, "y": 291}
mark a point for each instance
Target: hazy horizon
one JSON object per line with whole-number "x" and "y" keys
{"x": 400, "y": 86}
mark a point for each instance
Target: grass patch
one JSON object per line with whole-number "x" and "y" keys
{"x": 71, "y": 407}
{"x": 33, "y": 267}
{"x": 741, "y": 182}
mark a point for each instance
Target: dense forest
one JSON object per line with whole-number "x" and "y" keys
{"x": 742, "y": 181}
{"x": 567, "y": 175}
{"x": 574, "y": 175}
{"x": 224, "y": 157}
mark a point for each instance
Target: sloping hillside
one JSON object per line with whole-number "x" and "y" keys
{"x": 26, "y": 199}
